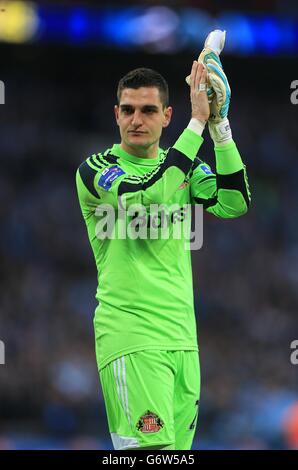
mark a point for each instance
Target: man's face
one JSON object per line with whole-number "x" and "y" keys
{"x": 141, "y": 117}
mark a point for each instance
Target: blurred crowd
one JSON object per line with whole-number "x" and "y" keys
{"x": 245, "y": 276}
{"x": 271, "y": 6}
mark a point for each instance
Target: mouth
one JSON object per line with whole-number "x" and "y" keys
{"x": 137, "y": 133}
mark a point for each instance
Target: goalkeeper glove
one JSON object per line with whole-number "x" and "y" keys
{"x": 213, "y": 46}
{"x": 218, "y": 88}
{"x": 218, "y": 123}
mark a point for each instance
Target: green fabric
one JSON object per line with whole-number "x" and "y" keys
{"x": 228, "y": 159}
{"x": 221, "y": 202}
{"x": 145, "y": 289}
{"x": 189, "y": 143}
{"x": 162, "y": 384}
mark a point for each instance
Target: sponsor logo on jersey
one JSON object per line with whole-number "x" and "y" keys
{"x": 149, "y": 423}
{"x": 161, "y": 219}
{"x": 109, "y": 175}
{"x": 206, "y": 169}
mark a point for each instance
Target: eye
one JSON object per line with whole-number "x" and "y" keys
{"x": 126, "y": 110}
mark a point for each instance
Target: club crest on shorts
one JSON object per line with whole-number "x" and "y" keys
{"x": 149, "y": 422}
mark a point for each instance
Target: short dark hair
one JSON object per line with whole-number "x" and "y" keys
{"x": 145, "y": 77}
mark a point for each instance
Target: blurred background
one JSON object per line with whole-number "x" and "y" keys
{"x": 60, "y": 64}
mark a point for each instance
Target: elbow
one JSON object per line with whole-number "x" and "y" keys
{"x": 240, "y": 211}
{"x": 233, "y": 212}
{"x": 246, "y": 201}
{"x": 234, "y": 204}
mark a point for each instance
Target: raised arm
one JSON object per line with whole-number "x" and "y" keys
{"x": 226, "y": 193}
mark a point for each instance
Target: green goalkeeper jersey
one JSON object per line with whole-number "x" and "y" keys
{"x": 145, "y": 290}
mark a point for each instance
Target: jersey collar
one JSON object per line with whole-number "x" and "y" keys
{"x": 118, "y": 151}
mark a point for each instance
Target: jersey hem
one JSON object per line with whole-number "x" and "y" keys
{"x": 126, "y": 351}
{"x": 153, "y": 444}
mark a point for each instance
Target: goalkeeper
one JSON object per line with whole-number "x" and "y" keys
{"x": 145, "y": 329}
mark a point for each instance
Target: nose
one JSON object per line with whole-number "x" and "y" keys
{"x": 136, "y": 119}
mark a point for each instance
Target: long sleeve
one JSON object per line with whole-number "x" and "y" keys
{"x": 225, "y": 194}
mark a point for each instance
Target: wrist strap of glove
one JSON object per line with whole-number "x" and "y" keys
{"x": 220, "y": 132}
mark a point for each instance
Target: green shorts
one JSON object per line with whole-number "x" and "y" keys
{"x": 152, "y": 398}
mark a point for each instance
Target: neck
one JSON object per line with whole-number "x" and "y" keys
{"x": 142, "y": 152}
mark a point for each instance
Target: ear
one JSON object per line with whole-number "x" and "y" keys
{"x": 116, "y": 111}
{"x": 167, "y": 116}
